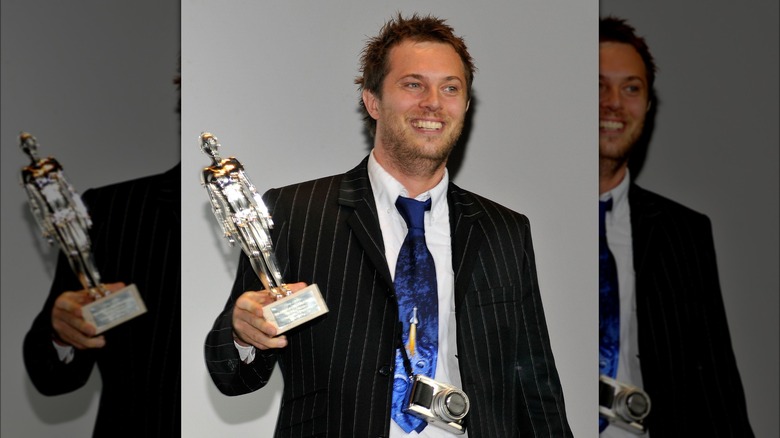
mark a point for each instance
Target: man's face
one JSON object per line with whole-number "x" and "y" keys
{"x": 623, "y": 99}
{"x": 423, "y": 105}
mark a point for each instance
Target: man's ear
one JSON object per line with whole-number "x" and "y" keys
{"x": 371, "y": 103}
{"x": 468, "y": 103}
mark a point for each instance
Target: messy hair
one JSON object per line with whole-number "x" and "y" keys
{"x": 375, "y": 57}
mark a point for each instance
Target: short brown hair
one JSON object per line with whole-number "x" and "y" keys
{"x": 375, "y": 57}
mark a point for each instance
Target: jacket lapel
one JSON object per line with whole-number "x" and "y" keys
{"x": 467, "y": 237}
{"x": 644, "y": 219}
{"x": 356, "y": 195}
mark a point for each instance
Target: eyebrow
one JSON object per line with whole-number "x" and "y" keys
{"x": 422, "y": 77}
{"x": 627, "y": 78}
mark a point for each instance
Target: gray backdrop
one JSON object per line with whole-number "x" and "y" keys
{"x": 274, "y": 83}
{"x": 715, "y": 149}
{"x": 92, "y": 80}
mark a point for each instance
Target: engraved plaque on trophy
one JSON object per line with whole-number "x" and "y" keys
{"x": 62, "y": 216}
{"x": 243, "y": 216}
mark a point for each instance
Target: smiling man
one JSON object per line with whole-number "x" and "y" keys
{"x": 419, "y": 112}
{"x": 429, "y": 287}
{"x": 662, "y": 326}
{"x": 624, "y": 100}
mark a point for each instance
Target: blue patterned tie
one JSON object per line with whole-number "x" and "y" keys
{"x": 418, "y": 309}
{"x": 609, "y": 305}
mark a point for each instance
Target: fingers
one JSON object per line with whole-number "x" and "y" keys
{"x": 69, "y": 325}
{"x": 295, "y": 287}
{"x": 250, "y": 327}
{"x": 113, "y": 287}
{"x": 78, "y": 338}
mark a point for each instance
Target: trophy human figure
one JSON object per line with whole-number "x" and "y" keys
{"x": 60, "y": 213}
{"x": 241, "y": 212}
{"x": 62, "y": 216}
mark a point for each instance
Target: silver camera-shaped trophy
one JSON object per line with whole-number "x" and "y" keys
{"x": 62, "y": 216}
{"x": 439, "y": 404}
{"x": 623, "y": 405}
{"x": 240, "y": 211}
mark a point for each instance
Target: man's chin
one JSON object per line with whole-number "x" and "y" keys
{"x": 614, "y": 147}
{"x": 435, "y": 152}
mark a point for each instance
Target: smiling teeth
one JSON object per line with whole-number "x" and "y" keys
{"x": 611, "y": 125}
{"x": 427, "y": 124}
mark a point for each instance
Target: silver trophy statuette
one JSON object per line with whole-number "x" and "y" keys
{"x": 240, "y": 211}
{"x": 62, "y": 216}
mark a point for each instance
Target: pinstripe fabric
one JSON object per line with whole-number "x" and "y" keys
{"x": 338, "y": 369}
{"x": 136, "y": 238}
{"x": 688, "y": 366}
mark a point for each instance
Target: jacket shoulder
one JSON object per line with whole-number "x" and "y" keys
{"x": 469, "y": 203}
{"x": 169, "y": 180}
{"x": 352, "y": 185}
{"x": 650, "y": 203}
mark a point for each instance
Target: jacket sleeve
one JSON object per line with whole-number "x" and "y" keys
{"x": 229, "y": 373}
{"x": 48, "y": 373}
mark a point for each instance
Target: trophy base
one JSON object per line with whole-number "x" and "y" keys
{"x": 114, "y": 309}
{"x": 293, "y": 310}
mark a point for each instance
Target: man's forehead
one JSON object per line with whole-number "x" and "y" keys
{"x": 441, "y": 50}
{"x": 620, "y": 60}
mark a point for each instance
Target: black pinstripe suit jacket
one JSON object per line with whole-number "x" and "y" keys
{"x": 136, "y": 238}
{"x": 338, "y": 369}
{"x": 688, "y": 366}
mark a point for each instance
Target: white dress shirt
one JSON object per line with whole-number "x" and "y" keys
{"x": 618, "y": 225}
{"x": 437, "y": 236}
{"x": 64, "y": 352}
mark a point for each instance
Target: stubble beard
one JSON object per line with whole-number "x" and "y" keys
{"x": 412, "y": 158}
{"x": 615, "y": 152}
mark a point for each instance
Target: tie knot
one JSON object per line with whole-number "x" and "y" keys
{"x": 413, "y": 211}
{"x": 604, "y": 207}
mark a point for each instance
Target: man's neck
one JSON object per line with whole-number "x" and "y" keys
{"x": 610, "y": 175}
{"x": 415, "y": 182}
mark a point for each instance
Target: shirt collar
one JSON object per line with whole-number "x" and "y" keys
{"x": 387, "y": 189}
{"x": 619, "y": 194}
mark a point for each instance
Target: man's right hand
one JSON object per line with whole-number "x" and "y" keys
{"x": 249, "y": 325}
{"x": 69, "y": 324}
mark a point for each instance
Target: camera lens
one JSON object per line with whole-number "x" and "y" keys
{"x": 455, "y": 404}
{"x": 632, "y": 405}
{"x": 637, "y": 405}
{"x": 450, "y": 404}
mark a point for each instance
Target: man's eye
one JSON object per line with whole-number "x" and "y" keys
{"x": 413, "y": 85}
{"x": 451, "y": 89}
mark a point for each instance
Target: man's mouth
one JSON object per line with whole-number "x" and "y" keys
{"x": 427, "y": 125}
{"x": 610, "y": 125}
